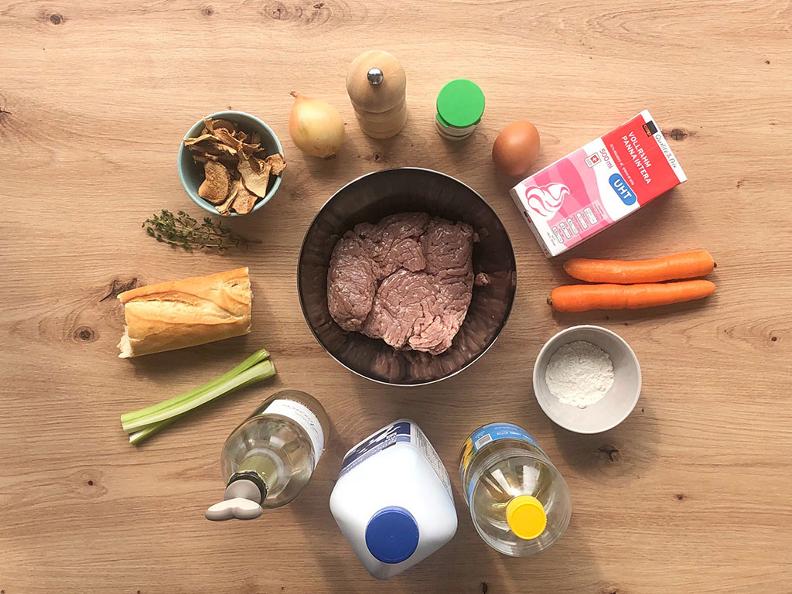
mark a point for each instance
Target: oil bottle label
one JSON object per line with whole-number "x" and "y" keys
{"x": 302, "y": 415}
{"x": 489, "y": 433}
{"x": 382, "y": 439}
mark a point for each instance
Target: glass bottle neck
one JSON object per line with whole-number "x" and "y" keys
{"x": 252, "y": 481}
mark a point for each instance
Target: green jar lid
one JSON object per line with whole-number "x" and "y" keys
{"x": 460, "y": 103}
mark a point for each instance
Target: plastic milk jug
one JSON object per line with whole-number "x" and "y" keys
{"x": 393, "y": 500}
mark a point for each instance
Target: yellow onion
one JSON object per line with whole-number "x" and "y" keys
{"x": 316, "y": 127}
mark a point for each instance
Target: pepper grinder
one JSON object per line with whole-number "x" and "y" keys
{"x": 376, "y": 85}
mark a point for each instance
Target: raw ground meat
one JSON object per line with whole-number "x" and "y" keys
{"x": 351, "y": 283}
{"x": 407, "y": 280}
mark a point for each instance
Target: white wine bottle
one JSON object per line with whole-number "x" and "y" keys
{"x": 270, "y": 457}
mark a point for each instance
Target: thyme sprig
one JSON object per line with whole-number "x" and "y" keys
{"x": 181, "y": 230}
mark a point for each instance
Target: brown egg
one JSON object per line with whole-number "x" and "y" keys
{"x": 516, "y": 148}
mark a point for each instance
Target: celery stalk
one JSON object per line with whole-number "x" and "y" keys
{"x": 181, "y": 405}
{"x": 140, "y": 435}
{"x": 257, "y": 357}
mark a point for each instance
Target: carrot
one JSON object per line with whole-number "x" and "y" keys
{"x": 588, "y": 297}
{"x": 627, "y": 272}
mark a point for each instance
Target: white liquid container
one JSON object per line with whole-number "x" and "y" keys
{"x": 393, "y": 499}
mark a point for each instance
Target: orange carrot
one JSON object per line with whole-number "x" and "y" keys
{"x": 588, "y": 297}
{"x": 627, "y": 272}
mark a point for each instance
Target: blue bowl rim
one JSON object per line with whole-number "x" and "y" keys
{"x": 190, "y": 134}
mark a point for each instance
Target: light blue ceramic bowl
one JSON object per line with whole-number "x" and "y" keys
{"x": 191, "y": 173}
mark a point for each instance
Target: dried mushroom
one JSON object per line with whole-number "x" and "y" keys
{"x": 204, "y": 157}
{"x": 245, "y": 200}
{"x": 212, "y": 125}
{"x": 248, "y": 150}
{"x": 197, "y": 139}
{"x": 277, "y": 163}
{"x": 237, "y": 169}
{"x": 226, "y": 205}
{"x": 255, "y": 174}
{"x": 215, "y": 185}
{"x": 229, "y": 140}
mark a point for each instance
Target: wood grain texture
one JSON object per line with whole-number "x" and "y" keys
{"x": 690, "y": 494}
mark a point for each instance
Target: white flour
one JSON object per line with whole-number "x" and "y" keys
{"x": 579, "y": 373}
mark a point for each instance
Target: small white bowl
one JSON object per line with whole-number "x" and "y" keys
{"x": 618, "y": 402}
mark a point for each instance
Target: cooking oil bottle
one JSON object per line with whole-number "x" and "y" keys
{"x": 518, "y": 500}
{"x": 271, "y": 456}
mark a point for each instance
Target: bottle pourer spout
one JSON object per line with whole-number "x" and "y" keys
{"x": 375, "y": 76}
{"x": 242, "y": 501}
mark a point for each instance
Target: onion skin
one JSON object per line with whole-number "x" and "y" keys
{"x": 516, "y": 148}
{"x": 315, "y": 126}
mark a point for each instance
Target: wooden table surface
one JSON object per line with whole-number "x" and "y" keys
{"x": 690, "y": 494}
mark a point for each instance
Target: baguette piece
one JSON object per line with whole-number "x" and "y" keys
{"x": 186, "y": 312}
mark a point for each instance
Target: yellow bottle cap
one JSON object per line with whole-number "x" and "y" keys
{"x": 526, "y": 516}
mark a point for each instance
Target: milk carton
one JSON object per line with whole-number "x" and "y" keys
{"x": 593, "y": 187}
{"x": 393, "y": 500}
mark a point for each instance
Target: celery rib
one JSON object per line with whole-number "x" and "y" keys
{"x": 255, "y": 358}
{"x": 145, "y": 422}
{"x": 138, "y": 436}
{"x": 258, "y": 372}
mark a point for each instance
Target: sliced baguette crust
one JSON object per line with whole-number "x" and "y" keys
{"x": 186, "y": 312}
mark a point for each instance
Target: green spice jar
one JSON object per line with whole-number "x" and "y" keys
{"x": 460, "y": 105}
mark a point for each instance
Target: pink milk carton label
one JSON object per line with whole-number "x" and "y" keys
{"x": 593, "y": 187}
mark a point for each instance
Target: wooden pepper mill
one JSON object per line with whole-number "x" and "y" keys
{"x": 376, "y": 84}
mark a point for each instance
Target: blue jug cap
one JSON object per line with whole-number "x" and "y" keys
{"x": 392, "y": 535}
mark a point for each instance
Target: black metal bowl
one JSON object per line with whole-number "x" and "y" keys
{"x": 370, "y": 198}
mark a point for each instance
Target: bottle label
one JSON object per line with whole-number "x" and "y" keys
{"x": 380, "y": 440}
{"x": 399, "y": 431}
{"x": 486, "y": 435}
{"x": 423, "y": 444}
{"x": 302, "y": 415}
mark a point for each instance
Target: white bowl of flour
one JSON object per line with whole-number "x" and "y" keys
{"x": 587, "y": 379}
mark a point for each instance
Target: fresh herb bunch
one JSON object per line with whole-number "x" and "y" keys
{"x": 181, "y": 230}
